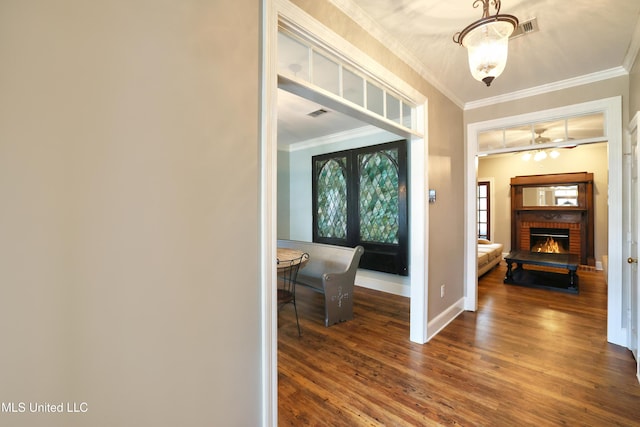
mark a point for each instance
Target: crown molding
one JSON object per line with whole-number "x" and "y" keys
{"x": 551, "y": 87}
{"x": 360, "y": 17}
{"x": 634, "y": 48}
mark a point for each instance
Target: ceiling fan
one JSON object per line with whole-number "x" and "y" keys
{"x": 540, "y": 154}
{"x": 539, "y": 139}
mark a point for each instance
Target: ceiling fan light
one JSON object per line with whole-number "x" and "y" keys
{"x": 540, "y": 155}
{"x": 554, "y": 154}
{"x": 526, "y": 156}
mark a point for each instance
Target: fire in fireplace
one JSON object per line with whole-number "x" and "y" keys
{"x": 549, "y": 240}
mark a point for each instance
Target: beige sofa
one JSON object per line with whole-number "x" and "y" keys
{"x": 489, "y": 255}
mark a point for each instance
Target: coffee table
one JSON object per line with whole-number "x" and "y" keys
{"x": 543, "y": 279}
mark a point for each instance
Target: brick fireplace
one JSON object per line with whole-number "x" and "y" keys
{"x": 575, "y": 220}
{"x": 574, "y": 228}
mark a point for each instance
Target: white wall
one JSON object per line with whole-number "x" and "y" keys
{"x": 129, "y": 181}
{"x": 284, "y": 195}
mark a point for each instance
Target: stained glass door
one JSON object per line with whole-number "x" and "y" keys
{"x": 360, "y": 199}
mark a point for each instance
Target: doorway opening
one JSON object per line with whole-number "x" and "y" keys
{"x": 277, "y": 15}
{"x": 611, "y": 109}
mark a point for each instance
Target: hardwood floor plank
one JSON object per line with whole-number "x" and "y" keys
{"x": 526, "y": 357}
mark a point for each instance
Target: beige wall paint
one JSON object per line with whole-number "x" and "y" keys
{"x": 586, "y": 158}
{"x": 129, "y": 180}
{"x": 445, "y": 165}
{"x": 446, "y": 215}
{"x": 618, "y": 86}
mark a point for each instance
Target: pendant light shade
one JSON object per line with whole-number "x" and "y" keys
{"x": 487, "y": 42}
{"x": 540, "y": 155}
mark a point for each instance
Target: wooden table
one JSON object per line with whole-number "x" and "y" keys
{"x": 543, "y": 279}
{"x": 287, "y": 258}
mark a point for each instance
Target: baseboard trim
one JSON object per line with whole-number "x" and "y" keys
{"x": 381, "y": 282}
{"x": 441, "y": 321}
{"x": 390, "y": 288}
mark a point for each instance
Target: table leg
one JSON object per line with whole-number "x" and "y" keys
{"x": 509, "y": 276}
{"x": 572, "y": 278}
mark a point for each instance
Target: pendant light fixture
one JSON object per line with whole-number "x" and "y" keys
{"x": 487, "y": 41}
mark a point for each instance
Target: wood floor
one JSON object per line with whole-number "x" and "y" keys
{"x": 527, "y": 357}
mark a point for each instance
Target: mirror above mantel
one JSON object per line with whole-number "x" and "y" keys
{"x": 550, "y": 195}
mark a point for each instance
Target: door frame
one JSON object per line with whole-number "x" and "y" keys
{"x": 634, "y": 217}
{"x": 612, "y": 109}
{"x": 273, "y": 12}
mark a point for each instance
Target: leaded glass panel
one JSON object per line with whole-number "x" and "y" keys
{"x": 360, "y": 198}
{"x": 332, "y": 199}
{"x": 379, "y": 196}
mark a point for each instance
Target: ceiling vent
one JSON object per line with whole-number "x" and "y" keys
{"x": 526, "y": 27}
{"x": 317, "y": 113}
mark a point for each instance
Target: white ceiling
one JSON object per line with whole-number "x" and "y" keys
{"x": 577, "y": 39}
{"x": 295, "y": 124}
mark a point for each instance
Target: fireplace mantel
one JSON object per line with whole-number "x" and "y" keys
{"x": 576, "y": 214}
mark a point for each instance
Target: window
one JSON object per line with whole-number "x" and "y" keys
{"x": 529, "y": 136}
{"x": 483, "y": 210}
{"x": 301, "y": 59}
{"x": 360, "y": 198}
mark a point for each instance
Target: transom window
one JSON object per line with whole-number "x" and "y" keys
{"x": 299, "y": 59}
{"x": 564, "y": 132}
